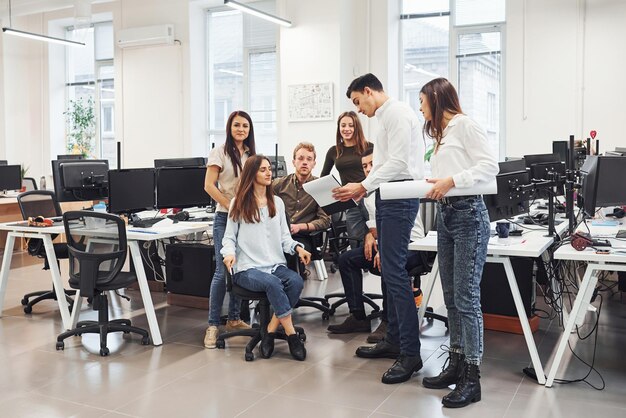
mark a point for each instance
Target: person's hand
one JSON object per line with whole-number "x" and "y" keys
{"x": 294, "y": 229}
{"x": 354, "y": 191}
{"x": 440, "y": 188}
{"x": 229, "y": 261}
{"x": 304, "y": 255}
{"x": 369, "y": 246}
{"x": 377, "y": 262}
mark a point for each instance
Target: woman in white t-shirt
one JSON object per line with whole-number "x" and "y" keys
{"x": 461, "y": 158}
{"x": 224, "y": 167}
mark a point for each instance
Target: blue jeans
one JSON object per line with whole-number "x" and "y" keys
{"x": 394, "y": 221}
{"x": 218, "y": 285}
{"x": 282, "y": 287}
{"x": 355, "y": 223}
{"x": 462, "y": 238}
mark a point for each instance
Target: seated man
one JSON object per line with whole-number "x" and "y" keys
{"x": 303, "y": 213}
{"x": 352, "y": 263}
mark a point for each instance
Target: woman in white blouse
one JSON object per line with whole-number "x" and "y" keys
{"x": 256, "y": 238}
{"x": 461, "y": 158}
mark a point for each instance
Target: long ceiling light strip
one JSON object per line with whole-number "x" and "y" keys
{"x": 38, "y": 37}
{"x": 255, "y": 12}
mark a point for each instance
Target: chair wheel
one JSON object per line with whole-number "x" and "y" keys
{"x": 28, "y": 309}
{"x": 145, "y": 341}
{"x": 430, "y": 320}
{"x": 60, "y": 345}
{"x": 104, "y": 352}
{"x": 126, "y": 332}
{"x": 325, "y": 316}
{"x": 24, "y": 302}
{"x": 220, "y": 344}
{"x": 249, "y": 356}
{"x": 333, "y": 269}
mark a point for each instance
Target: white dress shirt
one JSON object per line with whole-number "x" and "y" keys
{"x": 417, "y": 231}
{"x": 464, "y": 154}
{"x": 399, "y": 149}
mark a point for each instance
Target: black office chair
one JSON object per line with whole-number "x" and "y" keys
{"x": 29, "y": 183}
{"x": 95, "y": 267}
{"x": 338, "y": 240}
{"x": 425, "y": 267}
{"x": 41, "y": 203}
{"x": 258, "y": 330}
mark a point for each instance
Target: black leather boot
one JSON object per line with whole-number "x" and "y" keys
{"x": 296, "y": 347}
{"x": 449, "y": 375}
{"x": 467, "y": 390}
{"x": 402, "y": 369}
{"x": 267, "y": 344}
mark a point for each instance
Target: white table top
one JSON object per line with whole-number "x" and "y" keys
{"x": 599, "y": 230}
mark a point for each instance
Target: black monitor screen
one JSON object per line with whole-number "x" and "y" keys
{"x": 508, "y": 202}
{"x": 78, "y": 180}
{"x": 181, "y": 187}
{"x": 180, "y": 162}
{"x": 131, "y": 190}
{"x": 611, "y": 187}
{"x": 10, "y": 177}
{"x": 512, "y": 166}
{"x": 561, "y": 149}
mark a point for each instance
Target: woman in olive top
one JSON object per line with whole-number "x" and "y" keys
{"x": 346, "y": 157}
{"x": 224, "y": 168}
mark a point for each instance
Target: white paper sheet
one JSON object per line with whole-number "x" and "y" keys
{"x": 321, "y": 189}
{"x": 419, "y": 188}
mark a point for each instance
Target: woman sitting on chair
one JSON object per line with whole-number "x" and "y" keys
{"x": 256, "y": 238}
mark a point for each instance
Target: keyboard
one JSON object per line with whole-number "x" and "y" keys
{"x": 199, "y": 219}
{"x": 146, "y": 223}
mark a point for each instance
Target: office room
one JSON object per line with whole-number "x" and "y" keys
{"x": 158, "y": 80}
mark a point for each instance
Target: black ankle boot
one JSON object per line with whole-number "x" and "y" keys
{"x": 467, "y": 390}
{"x": 449, "y": 375}
{"x": 267, "y": 344}
{"x": 296, "y": 347}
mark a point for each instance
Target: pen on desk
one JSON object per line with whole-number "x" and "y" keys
{"x": 142, "y": 231}
{"x": 523, "y": 241}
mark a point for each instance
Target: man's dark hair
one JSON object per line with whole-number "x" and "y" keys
{"x": 367, "y": 80}
{"x": 367, "y": 152}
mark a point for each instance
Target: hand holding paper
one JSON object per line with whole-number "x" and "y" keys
{"x": 420, "y": 188}
{"x": 322, "y": 191}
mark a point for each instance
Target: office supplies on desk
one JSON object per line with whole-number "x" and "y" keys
{"x": 419, "y": 188}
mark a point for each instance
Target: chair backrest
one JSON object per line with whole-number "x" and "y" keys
{"x": 96, "y": 254}
{"x": 29, "y": 183}
{"x": 338, "y": 239}
{"x": 39, "y": 203}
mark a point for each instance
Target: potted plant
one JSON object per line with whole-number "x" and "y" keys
{"x": 81, "y": 127}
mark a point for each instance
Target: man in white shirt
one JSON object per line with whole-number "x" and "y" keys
{"x": 398, "y": 156}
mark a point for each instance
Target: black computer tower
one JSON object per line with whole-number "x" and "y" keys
{"x": 495, "y": 293}
{"x": 189, "y": 268}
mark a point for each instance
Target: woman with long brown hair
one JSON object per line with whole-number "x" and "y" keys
{"x": 346, "y": 155}
{"x": 224, "y": 167}
{"x": 256, "y": 238}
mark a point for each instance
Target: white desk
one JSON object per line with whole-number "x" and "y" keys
{"x": 616, "y": 261}
{"x": 134, "y": 235}
{"x": 533, "y": 243}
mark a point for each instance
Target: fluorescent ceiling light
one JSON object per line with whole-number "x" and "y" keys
{"x": 255, "y": 12}
{"x": 38, "y": 37}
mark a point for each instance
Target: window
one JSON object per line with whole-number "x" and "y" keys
{"x": 462, "y": 41}
{"x": 90, "y": 82}
{"x": 242, "y": 74}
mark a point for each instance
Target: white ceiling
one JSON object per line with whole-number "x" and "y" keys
{"x": 26, "y": 7}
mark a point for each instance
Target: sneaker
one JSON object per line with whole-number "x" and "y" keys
{"x": 350, "y": 325}
{"x": 210, "y": 337}
{"x": 418, "y": 295}
{"x": 236, "y": 324}
{"x": 378, "y": 334}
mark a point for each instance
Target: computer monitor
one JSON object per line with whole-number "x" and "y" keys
{"x": 602, "y": 183}
{"x": 4, "y": 162}
{"x": 512, "y": 165}
{"x": 79, "y": 180}
{"x": 10, "y": 177}
{"x": 181, "y": 187}
{"x": 539, "y": 165}
{"x": 508, "y": 202}
{"x": 71, "y": 157}
{"x": 131, "y": 190}
{"x": 180, "y": 162}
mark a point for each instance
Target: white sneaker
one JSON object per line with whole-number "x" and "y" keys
{"x": 210, "y": 338}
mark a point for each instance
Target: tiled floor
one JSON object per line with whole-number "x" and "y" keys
{"x": 182, "y": 379}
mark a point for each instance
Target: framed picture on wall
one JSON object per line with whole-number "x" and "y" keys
{"x": 310, "y": 102}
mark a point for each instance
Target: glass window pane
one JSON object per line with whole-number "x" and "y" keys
{"x": 479, "y": 61}
{"x": 104, "y": 41}
{"x": 263, "y": 100}
{"x": 106, "y": 90}
{"x": 472, "y": 12}
{"x": 424, "y": 6}
{"x": 81, "y": 66}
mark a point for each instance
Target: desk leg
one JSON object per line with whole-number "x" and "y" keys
{"x": 427, "y": 289}
{"x": 56, "y": 281}
{"x": 155, "y": 333}
{"x": 523, "y": 319}
{"x": 579, "y": 303}
{"x": 6, "y": 267}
